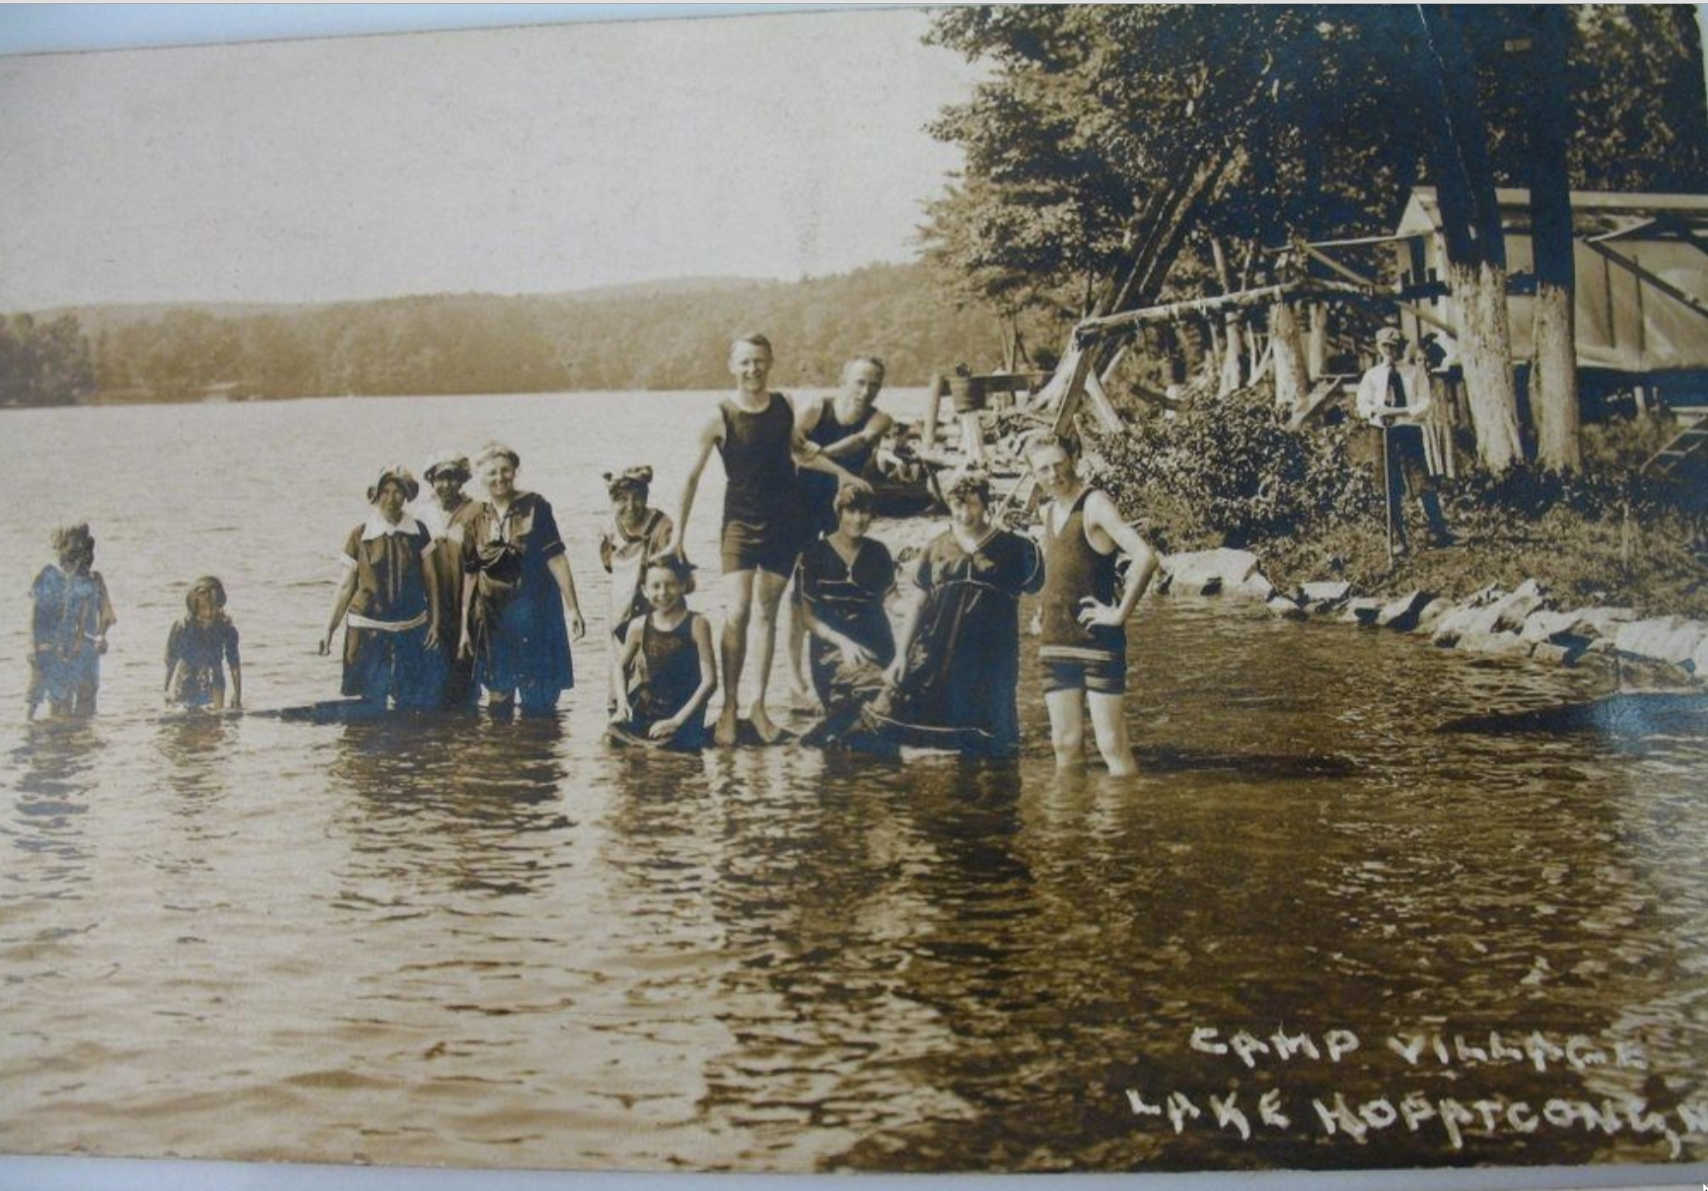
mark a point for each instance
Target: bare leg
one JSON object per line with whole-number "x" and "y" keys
{"x": 1067, "y": 728}
{"x": 732, "y": 646}
{"x": 1109, "y": 724}
{"x": 770, "y": 596}
{"x": 801, "y": 692}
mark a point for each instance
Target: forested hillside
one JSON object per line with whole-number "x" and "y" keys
{"x": 669, "y": 336}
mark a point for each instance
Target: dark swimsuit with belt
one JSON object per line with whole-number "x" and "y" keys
{"x": 761, "y": 501}
{"x": 1075, "y": 657}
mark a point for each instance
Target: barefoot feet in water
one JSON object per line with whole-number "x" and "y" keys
{"x": 724, "y": 734}
{"x": 767, "y": 731}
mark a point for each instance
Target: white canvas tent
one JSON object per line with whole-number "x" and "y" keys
{"x": 1642, "y": 275}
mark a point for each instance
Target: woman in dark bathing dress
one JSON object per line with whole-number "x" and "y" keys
{"x": 387, "y": 603}
{"x": 516, "y": 586}
{"x": 957, "y": 667}
{"x": 842, "y": 579}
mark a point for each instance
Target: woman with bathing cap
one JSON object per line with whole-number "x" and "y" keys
{"x": 957, "y": 666}
{"x": 388, "y": 603}
{"x": 516, "y": 585}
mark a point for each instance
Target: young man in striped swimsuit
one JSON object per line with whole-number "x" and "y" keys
{"x": 1084, "y": 643}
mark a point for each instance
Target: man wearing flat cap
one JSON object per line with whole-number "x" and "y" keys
{"x": 1395, "y": 397}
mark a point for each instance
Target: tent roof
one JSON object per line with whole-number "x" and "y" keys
{"x": 1594, "y": 211}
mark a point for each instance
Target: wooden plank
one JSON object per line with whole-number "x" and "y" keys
{"x": 1358, "y": 278}
{"x": 1319, "y": 396}
{"x": 933, "y": 399}
{"x": 1262, "y": 296}
{"x": 1102, "y": 408}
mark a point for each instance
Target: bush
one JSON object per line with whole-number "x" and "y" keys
{"x": 1226, "y": 471}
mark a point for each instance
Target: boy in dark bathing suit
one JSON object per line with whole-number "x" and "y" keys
{"x": 754, "y": 431}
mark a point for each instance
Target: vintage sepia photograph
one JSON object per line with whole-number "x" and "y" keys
{"x": 979, "y": 589}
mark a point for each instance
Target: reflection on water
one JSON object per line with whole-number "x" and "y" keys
{"x": 454, "y": 940}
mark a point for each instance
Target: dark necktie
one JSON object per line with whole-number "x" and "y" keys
{"x": 1396, "y": 390}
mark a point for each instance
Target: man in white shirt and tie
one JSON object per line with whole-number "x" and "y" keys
{"x": 1394, "y": 396}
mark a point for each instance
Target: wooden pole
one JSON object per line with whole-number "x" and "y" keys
{"x": 933, "y": 398}
{"x": 1387, "y": 494}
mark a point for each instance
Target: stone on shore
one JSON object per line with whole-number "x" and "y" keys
{"x": 1516, "y": 608}
{"x": 1560, "y": 655}
{"x": 1546, "y": 625}
{"x": 1432, "y": 613}
{"x": 1467, "y": 620}
{"x": 1496, "y": 644}
{"x": 1601, "y": 621}
{"x": 1362, "y": 610}
{"x": 1206, "y": 572}
{"x": 1324, "y": 595}
{"x": 1255, "y": 586}
{"x": 1284, "y": 607}
{"x": 1664, "y": 638}
{"x": 1402, "y": 614}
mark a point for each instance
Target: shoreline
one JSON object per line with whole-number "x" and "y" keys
{"x": 1662, "y": 652}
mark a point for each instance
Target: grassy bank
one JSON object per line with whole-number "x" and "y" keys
{"x": 1309, "y": 505}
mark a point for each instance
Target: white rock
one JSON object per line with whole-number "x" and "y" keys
{"x": 1401, "y": 614}
{"x": 1545, "y": 625}
{"x": 1208, "y": 571}
{"x": 1324, "y": 592}
{"x": 1665, "y": 638}
{"x": 1498, "y": 644}
{"x": 1601, "y": 621}
{"x": 1255, "y": 586}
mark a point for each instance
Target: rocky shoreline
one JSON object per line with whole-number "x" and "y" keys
{"x": 1526, "y": 622}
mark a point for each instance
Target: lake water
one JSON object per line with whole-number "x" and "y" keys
{"x": 511, "y": 945}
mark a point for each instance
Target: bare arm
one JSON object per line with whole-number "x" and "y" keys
{"x": 237, "y": 684}
{"x": 430, "y": 580}
{"x": 1101, "y": 514}
{"x": 708, "y": 671}
{"x": 912, "y": 604}
{"x": 558, "y": 565}
{"x": 710, "y": 435}
{"x": 626, "y": 657}
{"x": 340, "y": 605}
{"x": 465, "y": 647}
{"x": 874, "y": 432}
{"x": 808, "y": 457}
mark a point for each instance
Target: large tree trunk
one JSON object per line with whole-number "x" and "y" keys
{"x": 1292, "y": 372}
{"x": 1472, "y": 236}
{"x": 1553, "y": 371}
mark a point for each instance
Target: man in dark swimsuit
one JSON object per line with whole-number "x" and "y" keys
{"x": 1084, "y": 642}
{"x": 755, "y": 432}
{"x": 846, "y": 426}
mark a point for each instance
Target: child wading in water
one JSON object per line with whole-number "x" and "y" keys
{"x": 68, "y": 627}
{"x": 637, "y": 534}
{"x": 198, "y": 650}
{"x": 669, "y": 664}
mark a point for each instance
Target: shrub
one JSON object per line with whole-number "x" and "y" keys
{"x": 1226, "y": 471}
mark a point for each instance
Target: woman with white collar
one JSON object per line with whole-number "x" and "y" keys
{"x": 516, "y": 587}
{"x": 388, "y": 602}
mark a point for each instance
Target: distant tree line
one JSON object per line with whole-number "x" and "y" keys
{"x": 677, "y": 338}
{"x": 44, "y": 362}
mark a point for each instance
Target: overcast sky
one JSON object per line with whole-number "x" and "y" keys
{"x": 507, "y": 161}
